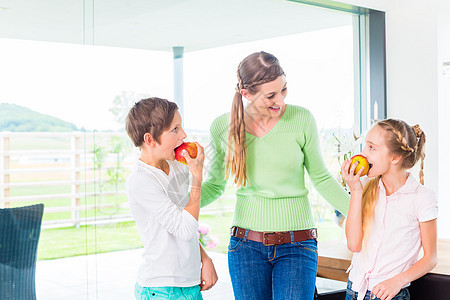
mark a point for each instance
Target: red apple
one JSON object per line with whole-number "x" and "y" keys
{"x": 362, "y": 163}
{"x": 191, "y": 148}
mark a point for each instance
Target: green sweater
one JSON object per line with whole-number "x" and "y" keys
{"x": 275, "y": 197}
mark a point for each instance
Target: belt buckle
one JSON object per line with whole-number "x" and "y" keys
{"x": 265, "y": 239}
{"x": 233, "y": 231}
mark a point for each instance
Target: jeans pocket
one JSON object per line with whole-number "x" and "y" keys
{"x": 310, "y": 245}
{"x": 234, "y": 244}
{"x": 350, "y": 294}
{"x": 402, "y": 295}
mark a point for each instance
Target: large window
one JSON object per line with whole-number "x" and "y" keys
{"x": 319, "y": 67}
{"x": 74, "y": 70}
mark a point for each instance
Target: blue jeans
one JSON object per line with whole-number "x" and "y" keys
{"x": 352, "y": 295}
{"x": 286, "y": 271}
{"x": 167, "y": 292}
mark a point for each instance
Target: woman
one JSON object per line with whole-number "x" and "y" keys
{"x": 265, "y": 147}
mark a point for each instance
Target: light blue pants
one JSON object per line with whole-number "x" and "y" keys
{"x": 167, "y": 292}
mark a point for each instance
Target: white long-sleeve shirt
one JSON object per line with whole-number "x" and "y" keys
{"x": 168, "y": 232}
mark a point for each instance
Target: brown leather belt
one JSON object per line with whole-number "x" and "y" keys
{"x": 274, "y": 238}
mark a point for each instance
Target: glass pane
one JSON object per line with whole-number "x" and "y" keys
{"x": 43, "y": 135}
{"x": 319, "y": 73}
{"x": 92, "y": 61}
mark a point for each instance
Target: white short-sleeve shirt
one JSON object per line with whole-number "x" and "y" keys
{"x": 168, "y": 232}
{"x": 394, "y": 240}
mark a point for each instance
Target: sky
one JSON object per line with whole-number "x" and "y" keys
{"x": 78, "y": 83}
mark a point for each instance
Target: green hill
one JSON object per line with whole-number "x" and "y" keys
{"x": 18, "y": 118}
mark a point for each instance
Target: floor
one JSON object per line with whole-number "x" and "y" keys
{"x": 112, "y": 275}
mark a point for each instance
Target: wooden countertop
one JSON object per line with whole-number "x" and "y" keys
{"x": 335, "y": 258}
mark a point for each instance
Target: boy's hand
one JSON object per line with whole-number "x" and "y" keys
{"x": 353, "y": 180}
{"x": 208, "y": 274}
{"x": 195, "y": 164}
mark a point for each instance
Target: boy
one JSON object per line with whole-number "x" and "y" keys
{"x": 165, "y": 214}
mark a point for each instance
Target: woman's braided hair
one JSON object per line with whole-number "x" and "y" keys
{"x": 256, "y": 69}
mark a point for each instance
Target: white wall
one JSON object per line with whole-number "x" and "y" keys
{"x": 417, "y": 44}
{"x": 444, "y": 119}
{"x": 412, "y": 74}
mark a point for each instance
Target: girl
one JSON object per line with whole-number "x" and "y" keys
{"x": 391, "y": 217}
{"x": 266, "y": 146}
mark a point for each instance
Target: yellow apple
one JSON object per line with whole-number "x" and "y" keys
{"x": 362, "y": 162}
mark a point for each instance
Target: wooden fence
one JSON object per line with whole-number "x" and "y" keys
{"x": 62, "y": 171}
{"x": 56, "y": 169}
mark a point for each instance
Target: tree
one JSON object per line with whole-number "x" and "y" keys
{"x": 122, "y": 104}
{"x": 117, "y": 174}
{"x": 99, "y": 159}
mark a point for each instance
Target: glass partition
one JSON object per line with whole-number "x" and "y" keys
{"x": 72, "y": 72}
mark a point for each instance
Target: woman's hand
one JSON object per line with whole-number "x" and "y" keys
{"x": 195, "y": 164}
{"x": 208, "y": 274}
{"x": 348, "y": 174}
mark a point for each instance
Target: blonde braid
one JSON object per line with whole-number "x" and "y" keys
{"x": 417, "y": 131}
{"x": 421, "y": 175}
{"x": 401, "y": 139}
{"x": 419, "y": 135}
{"x": 399, "y": 143}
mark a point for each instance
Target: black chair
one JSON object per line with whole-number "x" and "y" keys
{"x": 20, "y": 229}
{"x": 430, "y": 286}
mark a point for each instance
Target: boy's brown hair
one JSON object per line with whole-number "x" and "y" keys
{"x": 152, "y": 115}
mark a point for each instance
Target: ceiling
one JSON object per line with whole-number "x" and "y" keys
{"x": 161, "y": 24}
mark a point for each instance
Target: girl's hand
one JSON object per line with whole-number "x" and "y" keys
{"x": 208, "y": 274}
{"x": 195, "y": 164}
{"x": 388, "y": 289}
{"x": 348, "y": 174}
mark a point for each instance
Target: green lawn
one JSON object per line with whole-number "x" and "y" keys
{"x": 67, "y": 242}
{"x": 71, "y": 241}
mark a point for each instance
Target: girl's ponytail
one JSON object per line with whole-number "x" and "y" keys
{"x": 420, "y": 154}
{"x": 370, "y": 197}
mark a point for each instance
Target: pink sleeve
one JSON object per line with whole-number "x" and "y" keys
{"x": 426, "y": 205}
